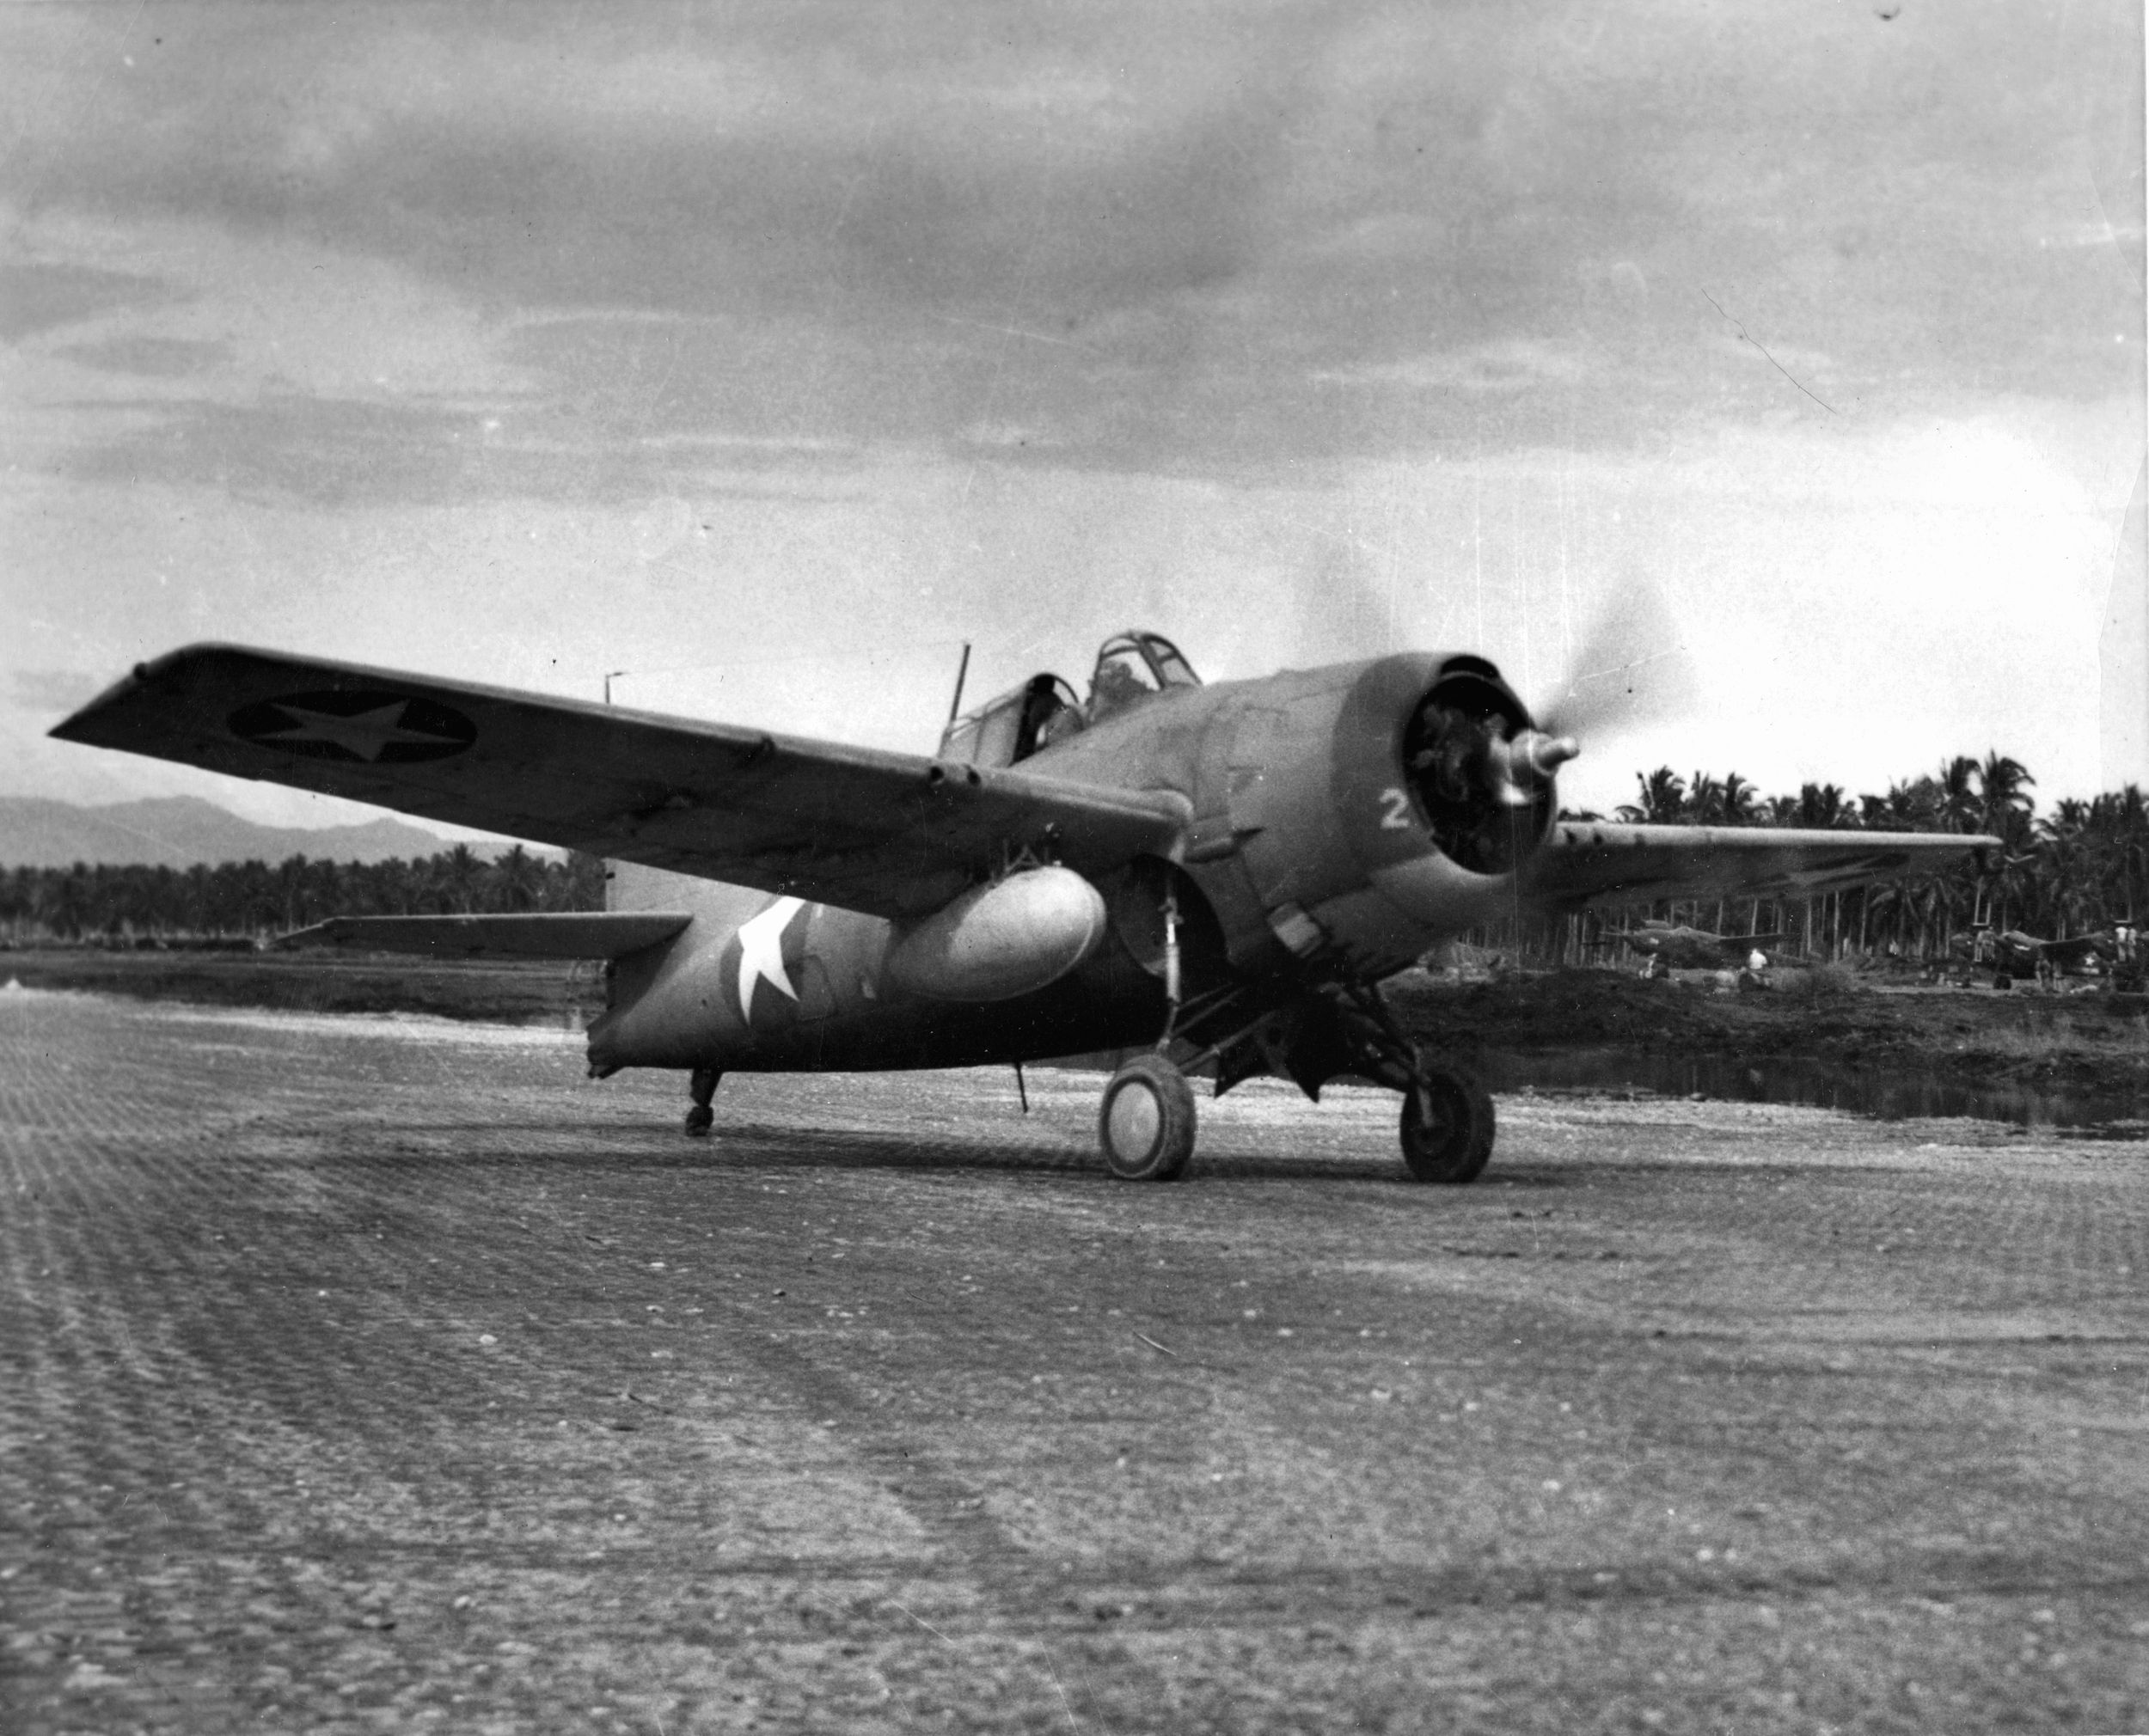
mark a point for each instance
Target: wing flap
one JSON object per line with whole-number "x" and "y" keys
{"x": 1591, "y": 862}
{"x": 894, "y": 834}
{"x": 535, "y": 934}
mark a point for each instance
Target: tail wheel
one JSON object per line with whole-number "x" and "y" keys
{"x": 702, "y": 1086}
{"x": 1447, "y": 1127}
{"x": 1146, "y": 1123}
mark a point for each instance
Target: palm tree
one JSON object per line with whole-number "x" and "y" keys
{"x": 2122, "y": 823}
{"x": 1957, "y": 805}
{"x": 460, "y": 871}
{"x": 1704, "y": 801}
{"x": 521, "y": 878}
{"x": 2005, "y": 808}
{"x": 2062, "y": 890}
{"x": 1738, "y": 800}
{"x": 2005, "y": 804}
{"x": 1663, "y": 800}
{"x": 1822, "y": 807}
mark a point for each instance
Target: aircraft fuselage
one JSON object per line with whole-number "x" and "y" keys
{"x": 757, "y": 983}
{"x": 1312, "y": 851}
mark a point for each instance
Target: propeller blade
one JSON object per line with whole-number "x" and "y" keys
{"x": 1630, "y": 668}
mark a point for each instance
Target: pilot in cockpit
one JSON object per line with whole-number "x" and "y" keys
{"x": 1115, "y": 686}
{"x": 1133, "y": 668}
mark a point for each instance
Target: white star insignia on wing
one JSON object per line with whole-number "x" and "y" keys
{"x": 368, "y": 735}
{"x": 760, "y": 954}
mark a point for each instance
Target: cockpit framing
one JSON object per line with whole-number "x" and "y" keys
{"x": 1132, "y": 668}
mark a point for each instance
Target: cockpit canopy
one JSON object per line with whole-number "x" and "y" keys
{"x": 1132, "y": 667}
{"x": 1015, "y": 724}
{"x": 1135, "y": 666}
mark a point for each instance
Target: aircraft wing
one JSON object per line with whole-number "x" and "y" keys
{"x": 893, "y": 834}
{"x": 1600, "y": 862}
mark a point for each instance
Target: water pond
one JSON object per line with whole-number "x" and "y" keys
{"x": 1892, "y": 1095}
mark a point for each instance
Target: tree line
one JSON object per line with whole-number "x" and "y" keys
{"x": 245, "y": 901}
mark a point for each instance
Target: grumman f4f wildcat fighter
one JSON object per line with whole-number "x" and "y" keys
{"x": 1218, "y": 877}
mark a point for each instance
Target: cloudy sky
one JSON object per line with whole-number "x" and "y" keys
{"x": 765, "y": 353}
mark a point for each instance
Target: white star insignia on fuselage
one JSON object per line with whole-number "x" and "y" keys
{"x": 367, "y": 736}
{"x": 760, "y": 954}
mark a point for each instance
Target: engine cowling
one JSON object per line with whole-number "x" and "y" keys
{"x": 1373, "y": 809}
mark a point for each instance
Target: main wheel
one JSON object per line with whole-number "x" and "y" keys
{"x": 1146, "y": 1123}
{"x": 1447, "y": 1127}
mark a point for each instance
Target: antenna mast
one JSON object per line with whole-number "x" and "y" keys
{"x": 962, "y": 671}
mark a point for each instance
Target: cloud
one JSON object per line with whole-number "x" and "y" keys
{"x": 339, "y": 452}
{"x": 152, "y": 357}
{"x": 1153, "y": 238}
{"x": 1509, "y": 366}
{"x": 40, "y": 296}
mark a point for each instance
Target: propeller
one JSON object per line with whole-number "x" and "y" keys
{"x": 1630, "y": 668}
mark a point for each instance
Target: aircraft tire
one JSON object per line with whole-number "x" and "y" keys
{"x": 1453, "y": 1144}
{"x": 700, "y": 1119}
{"x": 1145, "y": 1125}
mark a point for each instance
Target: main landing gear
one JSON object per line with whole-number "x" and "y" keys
{"x": 1145, "y": 1124}
{"x": 700, "y": 1118}
{"x": 1447, "y": 1126}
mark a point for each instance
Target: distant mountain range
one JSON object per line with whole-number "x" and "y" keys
{"x": 183, "y": 830}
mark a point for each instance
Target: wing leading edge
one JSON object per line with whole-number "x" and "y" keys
{"x": 1591, "y": 862}
{"x": 893, "y": 834}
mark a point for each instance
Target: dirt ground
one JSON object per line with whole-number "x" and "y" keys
{"x": 371, "y": 1372}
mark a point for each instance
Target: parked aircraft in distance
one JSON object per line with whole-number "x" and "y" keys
{"x": 2011, "y": 956}
{"x": 1218, "y": 877}
{"x": 1682, "y": 948}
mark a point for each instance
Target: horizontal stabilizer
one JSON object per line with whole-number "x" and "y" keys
{"x": 561, "y": 934}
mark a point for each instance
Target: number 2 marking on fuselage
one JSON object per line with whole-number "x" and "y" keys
{"x": 1398, "y": 817}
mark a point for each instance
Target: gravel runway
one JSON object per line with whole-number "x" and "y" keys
{"x": 363, "y": 1373}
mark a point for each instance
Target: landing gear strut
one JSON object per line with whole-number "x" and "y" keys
{"x": 1146, "y": 1123}
{"x": 1350, "y": 1031}
{"x": 700, "y": 1118}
